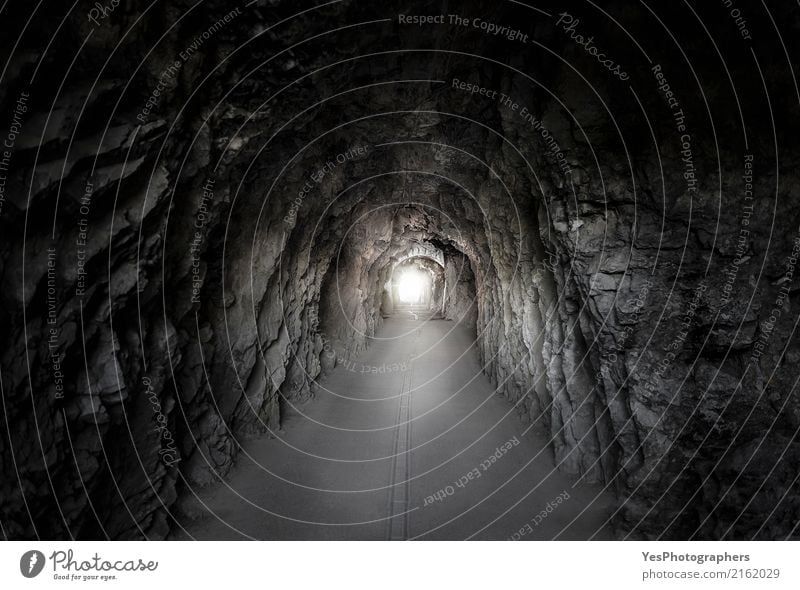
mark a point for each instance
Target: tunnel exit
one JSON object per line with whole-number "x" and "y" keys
{"x": 416, "y": 283}
{"x": 414, "y": 287}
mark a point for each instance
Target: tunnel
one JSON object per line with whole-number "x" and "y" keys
{"x": 339, "y": 270}
{"x": 416, "y": 282}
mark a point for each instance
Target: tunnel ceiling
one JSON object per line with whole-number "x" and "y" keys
{"x": 230, "y": 200}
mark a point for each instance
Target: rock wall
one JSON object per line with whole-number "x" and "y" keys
{"x": 460, "y": 293}
{"x": 180, "y": 265}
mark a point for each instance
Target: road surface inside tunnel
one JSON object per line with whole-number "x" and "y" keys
{"x": 409, "y": 441}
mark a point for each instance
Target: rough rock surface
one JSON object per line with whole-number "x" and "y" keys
{"x": 237, "y": 238}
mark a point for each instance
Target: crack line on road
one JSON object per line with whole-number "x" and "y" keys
{"x": 399, "y": 490}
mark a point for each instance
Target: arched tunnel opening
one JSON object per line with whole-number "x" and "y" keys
{"x": 320, "y": 272}
{"x": 416, "y": 283}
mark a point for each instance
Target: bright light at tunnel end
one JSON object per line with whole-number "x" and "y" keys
{"x": 411, "y": 286}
